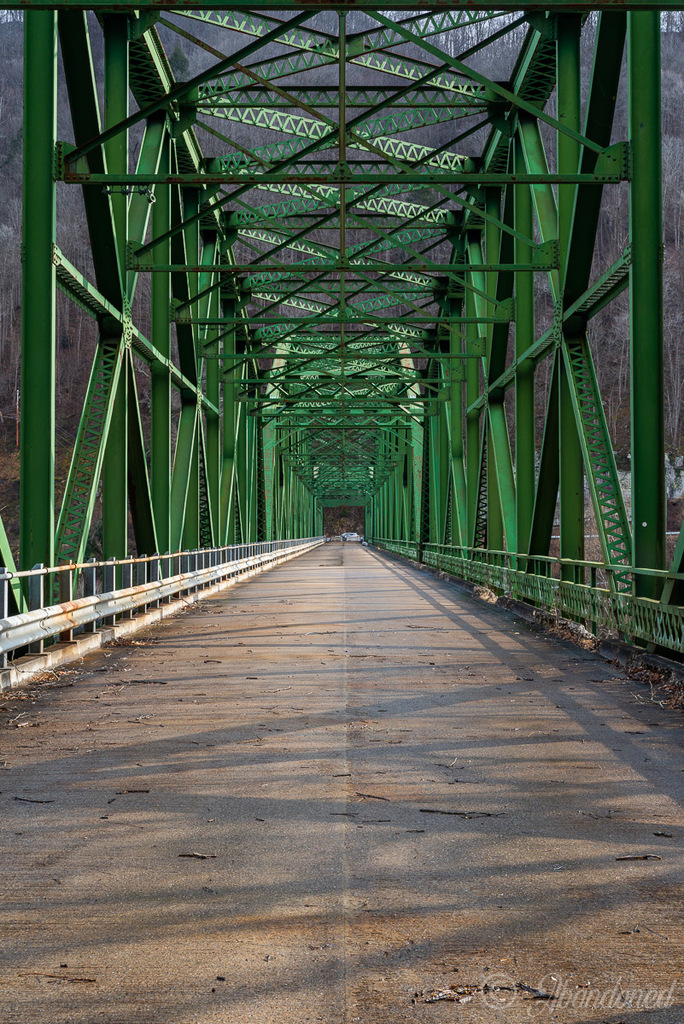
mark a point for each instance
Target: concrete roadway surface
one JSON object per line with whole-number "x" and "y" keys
{"x": 340, "y": 792}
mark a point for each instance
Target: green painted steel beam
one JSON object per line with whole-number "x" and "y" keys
{"x": 613, "y": 170}
{"x": 646, "y": 299}
{"x": 38, "y": 292}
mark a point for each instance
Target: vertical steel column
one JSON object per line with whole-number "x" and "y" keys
{"x": 425, "y": 487}
{"x": 495, "y": 524}
{"x": 472, "y": 391}
{"x": 407, "y": 481}
{"x": 415, "y": 469}
{"x": 115, "y": 464}
{"x": 524, "y": 374}
{"x": 252, "y": 474}
{"x": 456, "y": 376}
{"x": 569, "y": 113}
{"x": 191, "y": 523}
{"x": 213, "y": 385}
{"x": 646, "y": 297}
{"x": 434, "y": 506}
{"x": 394, "y": 489}
{"x": 38, "y": 291}
{"x": 241, "y": 478}
{"x": 227, "y": 516}
{"x": 161, "y": 382}
{"x": 278, "y": 478}
{"x": 399, "y": 489}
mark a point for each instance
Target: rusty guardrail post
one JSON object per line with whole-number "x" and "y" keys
{"x": 166, "y": 573}
{"x": 66, "y": 594}
{"x": 141, "y": 577}
{"x": 126, "y": 584}
{"x": 36, "y": 589}
{"x": 153, "y": 576}
{"x": 90, "y": 590}
{"x": 109, "y": 586}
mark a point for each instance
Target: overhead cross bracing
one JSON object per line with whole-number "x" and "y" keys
{"x": 355, "y": 250}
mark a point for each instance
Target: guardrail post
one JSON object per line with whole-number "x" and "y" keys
{"x": 185, "y": 569}
{"x": 66, "y": 594}
{"x": 4, "y": 606}
{"x": 36, "y": 587}
{"x": 109, "y": 586}
{"x": 141, "y": 577}
{"x": 166, "y": 573}
{"x": 126, "y": 584}
{"x": 153, "y": 576}
{"x": 192, "y": 565}
{"x": 89, "y": 590}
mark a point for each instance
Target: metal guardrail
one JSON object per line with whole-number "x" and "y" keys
{"x": 588, "y": 597}
{"x": 99, "y": 592}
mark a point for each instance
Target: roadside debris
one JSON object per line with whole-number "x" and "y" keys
{"x": 465, "y": 993}
{"x": 463, "y": 814}
{"x": 57, "y": 977}
{"x": 452, "y": 994}
{"x": 536, "y": 993}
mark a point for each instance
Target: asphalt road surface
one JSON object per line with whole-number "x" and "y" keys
{"x": 343, "y": 791}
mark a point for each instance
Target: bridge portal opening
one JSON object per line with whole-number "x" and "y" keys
{"x": 344, "y": 519}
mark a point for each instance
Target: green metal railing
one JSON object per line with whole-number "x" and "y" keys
{"x": 590, "y": 593}
{"x": 59, "y": 602}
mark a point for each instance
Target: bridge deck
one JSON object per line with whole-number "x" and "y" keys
{"x": 396, "y": 789}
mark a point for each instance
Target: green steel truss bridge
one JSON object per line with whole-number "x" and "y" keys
{"x": 355, "y": 258}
